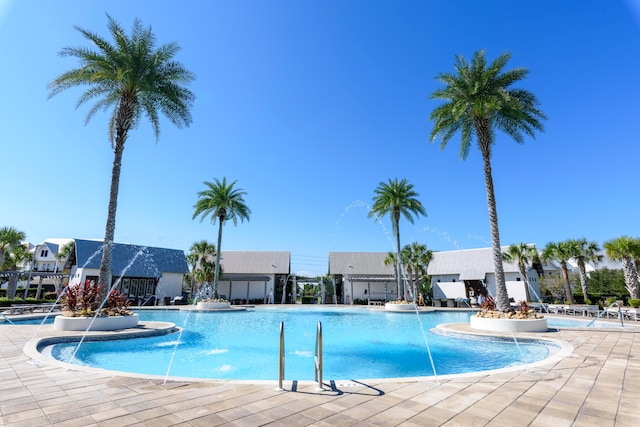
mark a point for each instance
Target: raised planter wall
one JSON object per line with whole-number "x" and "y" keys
{"x": 399, "y": 307}
{"x": 508, "y": 325}
{"x": 101, "y": 323}
{"x": 203, "y": 305}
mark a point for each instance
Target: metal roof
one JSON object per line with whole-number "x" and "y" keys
{"x": 255, "y": 262}
{"x": 359, "y": 263}
{"x": 132, "y": 260}
{"x": 469, "y": 264}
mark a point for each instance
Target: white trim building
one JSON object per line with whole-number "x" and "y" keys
{"x": 362, "y": 276}
{"x": 460, "y": 274}
{"x": 465, "y": 273}
{"x": 139, "y": 272}
{"x": 254, "y": 276}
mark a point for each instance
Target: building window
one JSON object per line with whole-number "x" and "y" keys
{"x": 137, "y": 287}
{"x": 44, "y": 253}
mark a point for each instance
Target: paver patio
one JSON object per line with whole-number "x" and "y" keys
{"x": 597, "y": 384}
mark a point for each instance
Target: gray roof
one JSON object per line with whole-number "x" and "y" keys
{"x": 470, "y": 264}
{"x": 53, "y": 247}
{"x": 359, "y": 263}
{"x": 255, "y": 262}
{"x": 132, "y": 260}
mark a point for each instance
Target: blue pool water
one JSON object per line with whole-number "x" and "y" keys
{"x": 358, "y": 344}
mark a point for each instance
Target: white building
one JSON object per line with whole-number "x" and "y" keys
{"x": 139, "y": 272}
{"x": 465, "y": 273}
{"x": 256, "y": 276}
{"x": 362, "y": 276}
{"x": 46, "y": 255}
{"x": 454, "y": 275}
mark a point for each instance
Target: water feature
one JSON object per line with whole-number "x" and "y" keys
{"x": 358, "y": 343}
{"x": 175, "y": 347}
{"x": 58, "y": 297}
{"x": 104, "y": 300}
{"x": 424, "y": 333}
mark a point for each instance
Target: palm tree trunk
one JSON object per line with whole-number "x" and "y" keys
{"x": 104, "y": 277}
{"x": 502, "y": 297}
{"x": 215, "y": 279}
{"x": 567, "y": 285}
{"x": 123, "y": 122}
{"x": 630, "y": 276}
{"x": 396, "y": 229}
{"x": 583, "y": 280}
{"x": 523, "y": 273}
{"x": 12, "y": 286}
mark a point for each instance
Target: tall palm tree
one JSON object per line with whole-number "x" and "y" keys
{"x": 561, "y": 252}
{"x": 626, "y": 250}
{"x": 62, "y": 256}
{"x": 203, "y": 271}
{"x": 584, "y": 252}
{"x": 479, "y": 99}
{"x": 523, "y": 254}
{"x": 132, "y": 77}
{"x": 11, "y": 254}
{"x": 13, "y": 260}
{"x": 10, "y": 237}
{"x": 396, "y": 198}
{"x": 416, "y": 258}
{"x": 221, "y": 201}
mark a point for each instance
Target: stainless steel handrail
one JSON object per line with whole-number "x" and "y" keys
{"x": 606, "y": 311}
{"x": 281, "y": 367}
{"x": 318, "y": 357}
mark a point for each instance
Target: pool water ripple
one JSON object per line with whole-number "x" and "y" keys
{"x": 358, "y": 343}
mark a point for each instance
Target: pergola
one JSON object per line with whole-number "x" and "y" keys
{"x": 32, "y": 274}
{"x": 368, "y": 279}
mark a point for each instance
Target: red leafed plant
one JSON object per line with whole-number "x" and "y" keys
{"x": 489, "y": 303}
{"x": 84, "y": 300}
{"x": 115, "y": 300}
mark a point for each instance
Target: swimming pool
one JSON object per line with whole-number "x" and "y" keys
{"x": 357, "y": 343}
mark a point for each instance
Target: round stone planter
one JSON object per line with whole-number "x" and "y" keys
{"x": 399, "y": 307}
{"x": 203, "y": 305}
{"x": 101, "y": 323}
{"x": 508, "y": 325}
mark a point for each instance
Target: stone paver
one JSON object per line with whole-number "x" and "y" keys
{"x": 596, "y": 384}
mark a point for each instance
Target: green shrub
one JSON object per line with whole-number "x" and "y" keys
{"x": 5, "y": 302}
{"x": 635, "y": 303}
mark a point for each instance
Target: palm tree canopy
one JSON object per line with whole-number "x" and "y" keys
{"x": 130, "y": 73}
{"x": 14, "y": 258}
{"x": 622, "y": 247}
{"x": 221, "y": 201}
{"x": 10, "y": 238}
{"x": 417, "y": 256}
{"x": 520, "y": 253}
{"x": 560, "y": 251}
{"x": 202, "y": 249}
{"x": 586, "y": 251}
{"x": 396, "y": 198}
{"x": 479, "y": 98}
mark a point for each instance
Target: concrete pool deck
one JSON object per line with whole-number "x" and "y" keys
{"x": 597, "y": 384}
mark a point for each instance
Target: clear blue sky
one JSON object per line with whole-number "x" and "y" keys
{"x": 310, "y": 105}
